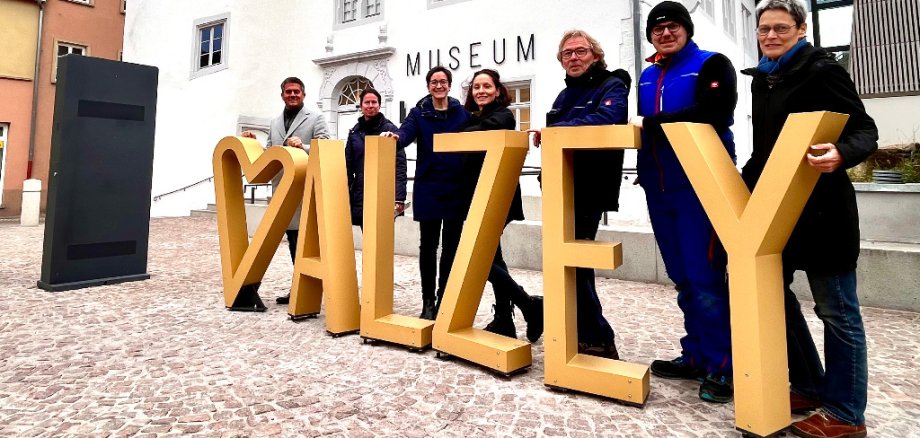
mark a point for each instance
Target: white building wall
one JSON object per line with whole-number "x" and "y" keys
{"x": 897, "y": 118}
{"x": 272, "y": 39}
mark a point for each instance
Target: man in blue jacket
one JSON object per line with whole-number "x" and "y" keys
{"x": 686, "y": 84}
{"x": 592, "y": 96}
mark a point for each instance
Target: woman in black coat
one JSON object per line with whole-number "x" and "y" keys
{"x": 371, "y": 122}
{"x": 488, "y": 99}
{"x": 795, "y": 77}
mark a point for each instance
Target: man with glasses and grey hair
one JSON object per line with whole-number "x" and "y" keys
{"x": 592, "y": 96}
{"x": 687, "y": 84}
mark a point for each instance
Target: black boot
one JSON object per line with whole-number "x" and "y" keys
{"x": 502, "y": 324}
{"x": 429, "y": 309}
{"x": 284, "y": 299}
{"x": 534, "y": 317}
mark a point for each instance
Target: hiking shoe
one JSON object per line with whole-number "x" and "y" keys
{"x": 717, "y": 389}
{"x": 677, "y": 369}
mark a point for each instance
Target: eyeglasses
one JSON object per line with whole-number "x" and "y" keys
{"x": 442, "y": 82}
{"x": 779, "y": 29}
{"x": 671, "y": 27}
{"x": 579, "y": 52}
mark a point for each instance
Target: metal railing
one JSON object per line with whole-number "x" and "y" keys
{"x": 158, "y": 197}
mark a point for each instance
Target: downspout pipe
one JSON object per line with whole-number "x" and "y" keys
{"x": 35, "y": 79}
{"x": 637, "y": 42}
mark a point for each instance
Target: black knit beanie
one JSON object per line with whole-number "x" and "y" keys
{"x": 668, "y": 11}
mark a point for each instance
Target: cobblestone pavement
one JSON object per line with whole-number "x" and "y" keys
{"x": 163, "y": 357}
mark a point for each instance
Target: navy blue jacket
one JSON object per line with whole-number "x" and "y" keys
{"x": 354, "y": 163}
{"x": 437, "y": 190}
{"x": 597, "y": 97}
{"x": 692, "y": 86}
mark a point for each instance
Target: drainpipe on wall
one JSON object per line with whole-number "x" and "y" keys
{"x": 38, "y": 62}
{"x": 32, "y": 188}
{"x": 637, "y": 42}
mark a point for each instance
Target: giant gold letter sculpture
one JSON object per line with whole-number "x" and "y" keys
{"x": 377, "y": 318}
{"x": 565, "y": 368}
{"x": 325, "y": 259}
{"x": 754, "y": 229}
{"x": 243, "y": 264}
{"x": 453, "y": 332}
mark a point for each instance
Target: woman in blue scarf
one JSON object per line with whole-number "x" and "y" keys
{"x": 796, "y": 77}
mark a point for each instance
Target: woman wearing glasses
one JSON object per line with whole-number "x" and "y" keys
{"x": 794, "y": 77}
{"x": 438, "y": 206}
{"x": 488, "y": 99}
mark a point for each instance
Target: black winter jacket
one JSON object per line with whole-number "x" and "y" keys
{"x": 492, "y": 117}
{"x": 826, "y": 238}
{"x": 354, "y": 163}
{"x": 597, "y": 97}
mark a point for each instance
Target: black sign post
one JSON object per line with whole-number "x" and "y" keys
{"x": 98, "y": 215}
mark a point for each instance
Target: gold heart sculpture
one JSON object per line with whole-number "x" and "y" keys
{"x": 243, "y": 263}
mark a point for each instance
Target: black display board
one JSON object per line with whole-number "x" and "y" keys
{"x": 98, "y": 215}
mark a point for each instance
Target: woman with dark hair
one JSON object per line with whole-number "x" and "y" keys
{"x": 487, "y": 99}
{"x": 437, "y": 202}
{"x": 795, "y": 77}
{"x": 371, "y": 122}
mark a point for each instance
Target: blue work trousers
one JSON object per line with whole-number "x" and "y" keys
{"x": 695, "y": 261}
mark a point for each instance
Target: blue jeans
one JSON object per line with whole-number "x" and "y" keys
{"x": 843, "y": 386}
{"x": 593, "y": 328}
{"x": 695, "y": 262}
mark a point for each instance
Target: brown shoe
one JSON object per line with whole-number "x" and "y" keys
{"x": 822, "y": 425}
{"x": 801, "y": 404}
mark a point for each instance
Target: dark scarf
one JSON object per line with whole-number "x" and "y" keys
{"x": 485, "y": 112}
{"x": 775, "y": 67}
{"x": 369, "y": 125}
{"x": 289, "y": 115}
{"x": 594, "y": 74}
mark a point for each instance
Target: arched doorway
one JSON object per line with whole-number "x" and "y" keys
{"x": 339, "y": 71}
{"x": 349, "y": 104}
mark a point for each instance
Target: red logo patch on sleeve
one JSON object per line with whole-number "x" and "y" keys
{"x": 714, "y": 84}
{"x": 608, "y": 102}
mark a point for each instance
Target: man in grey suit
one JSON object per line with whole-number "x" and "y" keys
{"x": 295, "y": 127}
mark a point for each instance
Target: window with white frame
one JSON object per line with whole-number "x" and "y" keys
{"x": 519, "y": 92}
{"x": 372, "y": 8}
{"x": 124, "y": 6}
{"x": 67, "y": 49}
{"x": 355, "y": 12}
{"x": 728, "y": 17}
{"x": 82, "y": 2}
{"x": 211, "y": 39}
{"x": 708, "y": 7}
{"x": 210, "y": 49}
{"x": 749, "y": 44}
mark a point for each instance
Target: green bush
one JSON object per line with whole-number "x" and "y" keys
{"x": 910, "y": 168}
